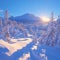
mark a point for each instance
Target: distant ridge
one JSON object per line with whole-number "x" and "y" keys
{"x": 26, "y": 18}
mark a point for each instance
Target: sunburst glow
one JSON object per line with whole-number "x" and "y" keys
{"x": 45, "y": 19}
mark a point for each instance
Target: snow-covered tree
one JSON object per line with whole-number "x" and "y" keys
{"x": 51, "y": 33}
{"x": 0, "y": 21}
{"x": 35, "y": 32}
{"x": 58, "y": 31}
{"x": 22, "y": 28}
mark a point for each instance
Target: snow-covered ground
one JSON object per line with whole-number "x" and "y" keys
{"x": 25, "y": 49}
{"x": 15, "y": 44}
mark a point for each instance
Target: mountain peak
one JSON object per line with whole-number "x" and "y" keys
{"x": 26, "y": 18}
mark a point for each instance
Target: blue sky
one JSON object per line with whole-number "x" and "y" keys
{"x": 36, "y": 7}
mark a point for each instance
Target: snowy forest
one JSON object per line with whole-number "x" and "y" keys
{"x": 20, "y": 40}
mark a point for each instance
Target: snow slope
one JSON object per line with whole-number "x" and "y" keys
{"x": 15, "y": 45}
{"x": 25, "y": 49}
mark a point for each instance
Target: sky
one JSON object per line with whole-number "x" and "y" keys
{"x": 36, "y": 7}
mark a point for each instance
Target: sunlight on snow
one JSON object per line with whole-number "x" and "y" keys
{"x": 35, "y": 46}
{"x": 43, "y": 55}
{"x": 16, "y": 45}
{"x": 25, "y": 57}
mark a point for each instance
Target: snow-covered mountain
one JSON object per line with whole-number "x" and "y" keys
{"x": 26, "y": 18}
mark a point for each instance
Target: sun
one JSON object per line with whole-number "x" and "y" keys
{"x": 45, "y": 19}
